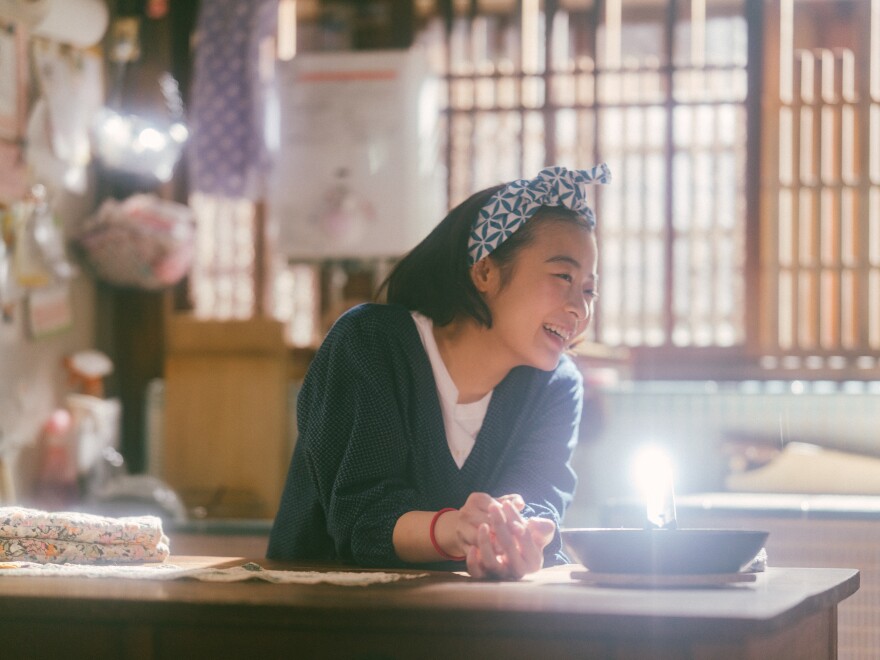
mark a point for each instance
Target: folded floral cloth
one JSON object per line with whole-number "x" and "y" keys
{"x": 73, "y": 537}
{"x": 60, "y": 552}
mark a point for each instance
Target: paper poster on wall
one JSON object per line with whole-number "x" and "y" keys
{"x": 357, "y": 173}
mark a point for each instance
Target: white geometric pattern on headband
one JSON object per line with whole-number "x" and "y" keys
{"x": 519, "y": 200}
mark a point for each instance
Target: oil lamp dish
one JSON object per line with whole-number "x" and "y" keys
{"x": 664, "y": 551}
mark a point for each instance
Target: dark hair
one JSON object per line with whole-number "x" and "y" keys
{"x": 434, "y": 277}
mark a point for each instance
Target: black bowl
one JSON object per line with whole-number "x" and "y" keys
{"x": 664, "y": 551}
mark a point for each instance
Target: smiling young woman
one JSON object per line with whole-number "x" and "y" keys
{"x": 438, "y": 428}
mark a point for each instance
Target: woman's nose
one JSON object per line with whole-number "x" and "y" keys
{"x": 578, "y": 305}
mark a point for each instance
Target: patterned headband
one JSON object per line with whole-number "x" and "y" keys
{"x": 519, "y": 200}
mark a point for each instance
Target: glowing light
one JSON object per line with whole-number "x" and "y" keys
{"x": 115, "y": 128}
{"x": 136, "y": 145}
{"x": 178, "y": 132}
{"x": 653, "y": 476}
{"x": 152, "y": 139}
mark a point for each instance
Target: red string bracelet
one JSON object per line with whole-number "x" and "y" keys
{"x": 436, "y": 545}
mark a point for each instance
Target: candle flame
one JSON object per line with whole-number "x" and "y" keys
{"x": 653, "y": 475}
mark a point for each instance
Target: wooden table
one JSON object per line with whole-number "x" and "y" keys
{"x": 787, "y": 613}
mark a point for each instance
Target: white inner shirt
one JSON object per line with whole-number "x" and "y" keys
{"x": 462, "y": 421}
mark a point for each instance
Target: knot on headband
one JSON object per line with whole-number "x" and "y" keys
{"x": 518, "y": 201}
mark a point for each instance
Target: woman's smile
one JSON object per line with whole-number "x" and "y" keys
{"x": 559, "y": 331}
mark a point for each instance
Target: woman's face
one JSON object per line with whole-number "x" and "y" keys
{"x": 548, "y": 299}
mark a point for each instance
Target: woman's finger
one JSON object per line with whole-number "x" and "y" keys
{"x": 510, "y": 534}
{"x": 514, "y": 498}
{"x": 479, "y": 502}
{"x": 543, "y": 529}
{"x": 512, "y": 514}
{"x": 539, "y": 533}
{"x": 489, "y": 560}
{"x": 474, "y": 513}
{"x": 509, "y": 540}
{"x": 504, "y": 540}
{"x": 473, "y": 563}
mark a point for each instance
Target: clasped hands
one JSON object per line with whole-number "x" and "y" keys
{"x": 497, "y": 541}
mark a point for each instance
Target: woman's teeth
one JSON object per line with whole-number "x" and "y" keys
{"x": 556, "y": 330}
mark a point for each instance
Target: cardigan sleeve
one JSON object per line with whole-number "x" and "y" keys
{"x": 539, "y": 467}
{"x": 356, "y": 445}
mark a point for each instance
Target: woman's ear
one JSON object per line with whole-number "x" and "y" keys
{"x": 484, "y": 273}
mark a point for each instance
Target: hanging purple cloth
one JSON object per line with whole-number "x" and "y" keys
{"x": 227, "y": 153}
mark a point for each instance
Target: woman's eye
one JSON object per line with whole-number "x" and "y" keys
{"x": 564, "y": 276}
{"x": 590, "y": 294}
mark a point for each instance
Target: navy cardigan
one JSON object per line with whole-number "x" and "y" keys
{"x": 372, "y": 444}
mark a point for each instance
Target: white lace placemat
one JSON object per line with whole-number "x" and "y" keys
{"x": 249, "y": 571}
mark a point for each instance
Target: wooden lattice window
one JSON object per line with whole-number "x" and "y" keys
{"x": 656, "y": 89}
{"x": 821, "y": 233}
